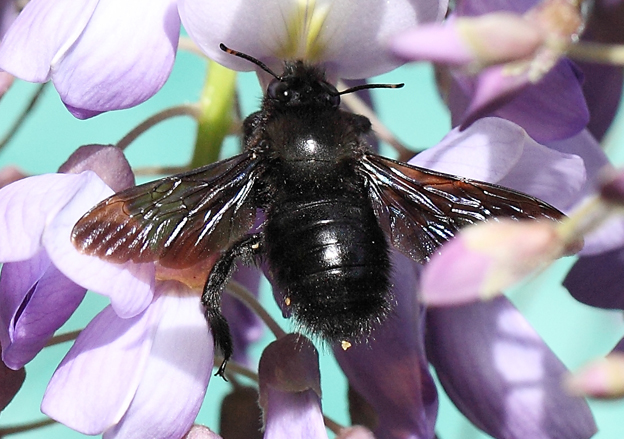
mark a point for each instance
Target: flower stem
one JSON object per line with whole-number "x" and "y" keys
{"x": 216, "y": 104}
{"x": 586, "y": 219}
{"x": 357, "y": 105}
{"x": 188, "y": 45}
{"x": 237, "y": 290}
{"x": 180, "y": 110}
{"x": 5, "y": 431}
{"x": 160, "y": 170}
{"x": 62, "y": 338}
{"x": 22, "y": 117}
{"x": 597, "y": 52}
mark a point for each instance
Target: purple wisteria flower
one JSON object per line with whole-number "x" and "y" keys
{"x": 8, "y": 12}
{"x": 154, "y": 328}
{"x": 520, "y": 78}
{"x": 290, "y": 389}
{"x": 468, "y": 345}
{"x": 139, "y": 377}
{"x": 350, "y": 42}
{"x": 44, "y": 278}
{"x": 100, "y": 60}
{"x": 492, "y": 364}
{"x": 95, "y": 54}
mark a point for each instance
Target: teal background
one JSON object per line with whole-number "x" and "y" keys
{"x": 575, "y": 332}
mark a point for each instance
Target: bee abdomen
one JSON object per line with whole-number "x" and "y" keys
{"x": 330, "y": 257}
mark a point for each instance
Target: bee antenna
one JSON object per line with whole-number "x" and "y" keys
{"x": 250, "y": 58}
{"x": 367, "y": 86}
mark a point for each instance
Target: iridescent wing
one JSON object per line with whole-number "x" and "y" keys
{"x": 421, "y": 209}
{"x": 178, "y": 220}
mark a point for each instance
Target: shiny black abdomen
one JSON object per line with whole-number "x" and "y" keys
{"x": 330, "y": 258}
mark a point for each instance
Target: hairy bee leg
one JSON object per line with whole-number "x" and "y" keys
{"x": 246, "y": 249}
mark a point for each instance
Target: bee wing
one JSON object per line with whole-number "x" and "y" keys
{"x": 177, "y": 220}
{"x": 421, "y": 209}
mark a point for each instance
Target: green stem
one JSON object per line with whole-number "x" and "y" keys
{"x": 216, "y": 103}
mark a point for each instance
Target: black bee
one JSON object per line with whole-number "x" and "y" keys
{"x": 332, "y": 208}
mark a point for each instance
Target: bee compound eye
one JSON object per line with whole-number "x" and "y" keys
{"x": 279, "y": 90}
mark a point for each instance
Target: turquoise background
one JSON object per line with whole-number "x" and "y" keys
{"x": 575, "y": 332}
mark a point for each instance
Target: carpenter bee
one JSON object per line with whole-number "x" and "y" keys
{"x": 332, "y": 211}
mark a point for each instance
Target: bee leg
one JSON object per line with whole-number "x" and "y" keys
{"x": 220, "y": 274}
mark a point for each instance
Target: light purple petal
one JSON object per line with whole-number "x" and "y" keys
{"x": 552, "y": 109}
{"x": 41, "y": 35}
{"x": 294, "y": 415}
{"x": 93, "y": 273}
{"x": 269, "y": 26}
{"x": 610, "y": 235}
{"x": 115, "y": 64}
{"x": 498, "y": 151}
{"x": 177, "y": 373}
{"x": 35, "y": 301}
{"x": 8, "y": 13}
{"x": 598, "y": 280}
{"x": 107, "y": 161}
{"x": 390, "y": 371}
{"x": 603, "y": 91}
{"x": 501, "y": 375}
{"x": 97, "y": 380}
{"x": 10, "y": 174}
{"x": 439, "y": 43}
{"x": 201, "y": 432}
{"x": 486, "y": 258}
{"x": 467, "y": 42}
{"x": 355, "y": 432}
{"x": 290, "y": 389}
{"x": 27, "y": 206}
{"x": 471, "y": 7}
{"x": 6, "y": 81}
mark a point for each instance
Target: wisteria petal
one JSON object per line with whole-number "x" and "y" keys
{"x": 467, "y": 42}
{"x": 177, "y": 373}
{"x": 279, "y": 29}
{"x": 35, "y": 301}
{"x": 93, "y": 273}
{"x": 610, "y": 235}
{"x": 486, "y": 258}
{"x": 107, "y": 161}
{"x": 509, "y": 382}
{"x": 597, "y": 280}
{"x": 201, "y": 432}
{"x": 28, "y": 205}
{"x": 41, "y": 35}
{"x": 602, "y": 378}
{"x": 438, "y": 43}
{"x": 390, "y": 371}
{"x": 97, "y": 380}
{"x": 498, "y": 151}
{"x": 552, "y": 109}
{"x": 603, "y": 91}
{"x": 355, "y": 432}
{"x": 8, "y": 13}
{"x": 470, "y": 7}
{"x": 6, "y": 81}
{"x": 290, "y": 389}
{"x": 294, "y": 415}
{"x": 131, "y": 64}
